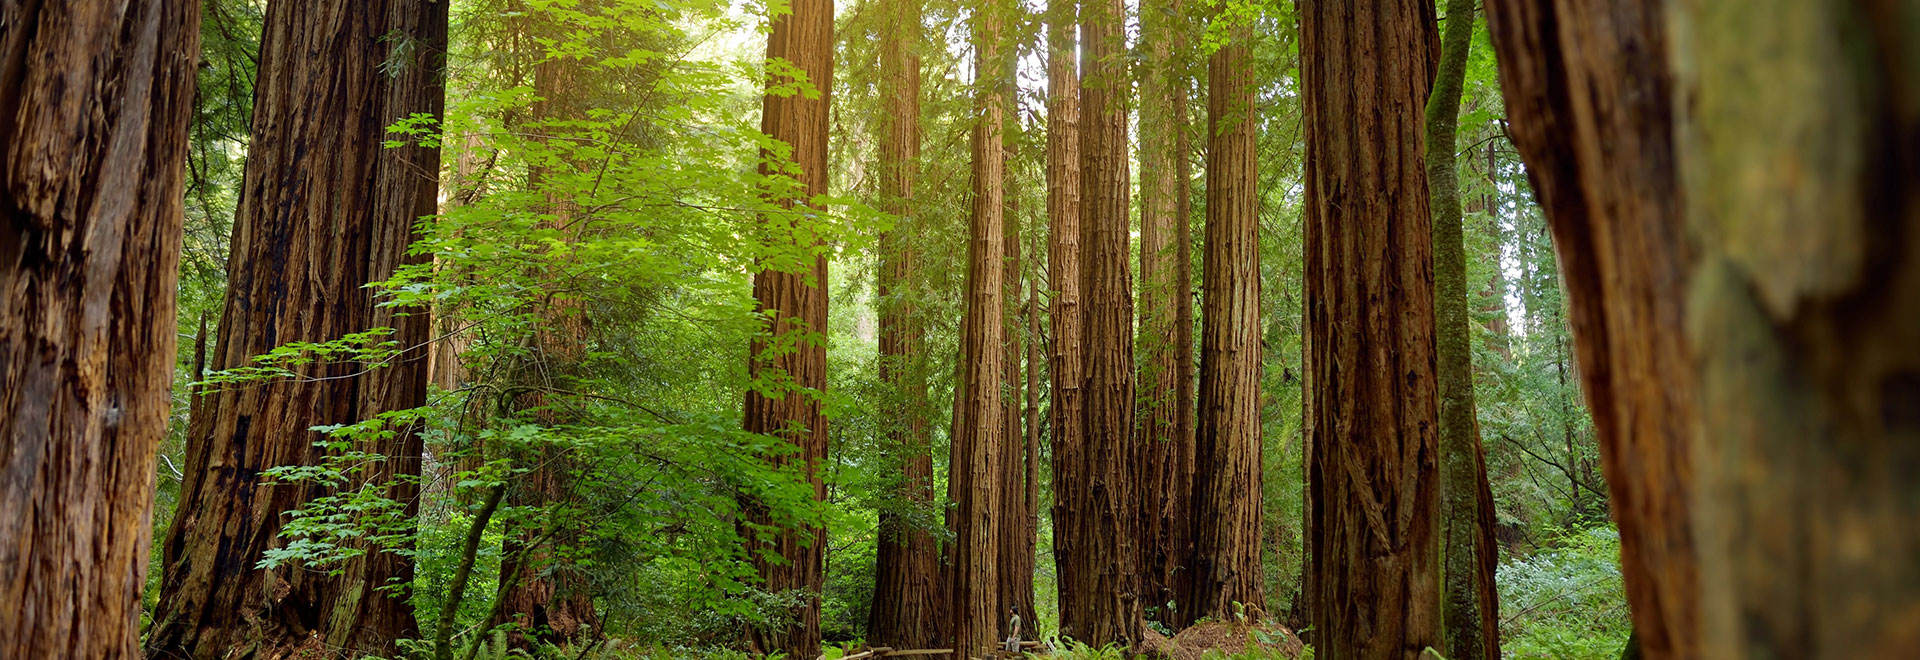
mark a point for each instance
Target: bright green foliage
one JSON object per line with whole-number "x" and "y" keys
{"x": 1568, "y": 602}
{"x": 636, "y": 225}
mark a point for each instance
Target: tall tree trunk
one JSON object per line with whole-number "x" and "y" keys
{"x": 325, "y": 209}
{"x": 1067, "y": 353}
{"x": 1227, "y": 513}
{"x": 795, "y": 301}
{"x": 1166, "y": 334}
{"x": 906, "y": 606}
{"x": 1016, "y": 536}
{"x": 94, "y": 105}
{"x": 540, "y": 593}
{"x": 1374, "y": 472}
{"x": 1103, "y": 570}
{"x": 1472, "y": 611}
{"x": 1799, "y": 187}
{"x": 1589, "y": 95}
{"x": 1032, "y": 509}
{"x": 973, "y": 479}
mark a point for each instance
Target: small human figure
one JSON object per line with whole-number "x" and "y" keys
{"x": 1013, "y": 638}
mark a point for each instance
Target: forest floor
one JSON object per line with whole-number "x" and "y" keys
{"x": 1231, "y": 639}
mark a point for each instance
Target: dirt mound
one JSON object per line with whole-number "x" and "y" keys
{"x": 1231, "y": 638}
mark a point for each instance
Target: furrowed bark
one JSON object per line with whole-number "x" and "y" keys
{"x": 1103, "y": 568}
{"x": 973, "y": 478}
{"x": 1590, "y": 98}
{"x": 1067, "y": 351}
{"x": 1227, "y": 513}
{"x": 906, "y": 607}
{"x": 325, "y": 209}
{"x": 1164, "y": 427}
{"x": 94, "y": 106}
{"x": 1374, "y": 473}
{"x": 796, "y": 302}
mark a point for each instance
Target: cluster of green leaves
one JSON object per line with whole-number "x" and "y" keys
{"x": 1568, "y": 602}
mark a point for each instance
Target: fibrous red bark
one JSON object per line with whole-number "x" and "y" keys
{"x": 1374, "y": 466}
{"x": 325, "y": 209}
{"x": 94, "y": 105}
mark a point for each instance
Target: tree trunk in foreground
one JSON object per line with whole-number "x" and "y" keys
{"x": 1374, "y": 471}
{"x": 1589, "y": 94}
{"x": 796, "y": 302}
{"x": 94, "y": 105}
{"x": 1226, "y": 518}
{"x": 973, "y": 479}
{"x": 1469, "y": 556}
{"x": 1801, "y": 315}
{"x": 325, "y": 209}
{"x": 906, "y": 597}
{"x": 1066, "y": 352}
{"x": 1165, "y": 426}
{"x": 1102, "y": 511}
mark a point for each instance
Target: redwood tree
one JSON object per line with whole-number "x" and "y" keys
{"x": 325, "y": 209}
{"x": 1066, "y": 351}
{"x": 1226, "y": 514}
{"x": 1101, "y": 512}
{"x": 1590, "y": 100}
{"x": 973, "y": 587}
{"x": 795, "y": 301}
{"x": 1165, "y": 424}
{"x": 1373, "y": 469}
{"x": 94, "y": 105}
{"x": 906, "y": 598}
{"x": 1806, "y": 343}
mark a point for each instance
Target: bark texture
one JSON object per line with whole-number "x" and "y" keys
{"x": 1101, "y": 511}
{"x": 795, "y": 301}
{"x": 1067, "y": 357}
{"x": 1165, "y": 424}
{"x": 1374, "y": 467}
{"x": 906, "y": 598}
{"x": 94, "y": 105}
{"x": 973, "y": 586}
{"x": 1590, "y": 100}
{"x": 1472, "y": 611}
{"x": 1226, "y": 518}
{"x": 324, "y": 209}
{"x": 1801, "y": 315}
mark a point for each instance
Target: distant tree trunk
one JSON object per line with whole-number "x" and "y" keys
{"x": 1799, "y": 187}
{"x": 1032, "y": 509}
{"x": 1102, "y": 511}
{"x": 906, "y": 597}
{"x": 1067, "y": 353}
{"x": 1166, "y": 333}
{"x": 1374, "y": 471}
{"x": 1226, "y": 516}
{"x": 94, "y": 106}
{"x": 796, "y": 302}
{"x": 1016, "y": 536}
{"x": 549, "y": 599}
{"x": 325, "y": 209}
{"x": 1472, "y": 610}
{"x": 973, "y": 485}
{"x": 1590, "y": 98}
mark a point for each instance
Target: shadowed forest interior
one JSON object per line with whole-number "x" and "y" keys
{"x": 1222, "y": 329}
